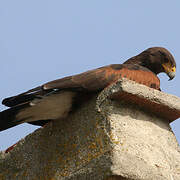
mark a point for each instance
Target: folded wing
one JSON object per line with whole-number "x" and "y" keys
{"x": 54, "y": 99}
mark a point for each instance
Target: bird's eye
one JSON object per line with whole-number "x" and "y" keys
{"x": 166, "y": 60}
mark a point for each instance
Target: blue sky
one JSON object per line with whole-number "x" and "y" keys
{"x": 44, "y": 40}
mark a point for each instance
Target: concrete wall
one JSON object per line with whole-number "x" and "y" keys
{"x": 123, "y": 133}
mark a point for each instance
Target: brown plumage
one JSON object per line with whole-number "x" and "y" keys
{"x": 100, "y": 78}
{"x": 47, "y": 98}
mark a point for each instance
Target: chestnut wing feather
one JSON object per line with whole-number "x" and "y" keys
{"x": 93, "y": 80}
{"x": 100, "y": 78}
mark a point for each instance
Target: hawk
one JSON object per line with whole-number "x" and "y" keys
{"x": 55, "y": 99}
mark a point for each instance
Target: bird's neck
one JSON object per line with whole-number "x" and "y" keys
{"x": 146, "y": 61}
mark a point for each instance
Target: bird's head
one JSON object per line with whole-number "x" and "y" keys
{"x": 156, "y": 59}
{"x": 161, "y": 61}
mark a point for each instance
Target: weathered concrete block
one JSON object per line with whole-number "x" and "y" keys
{"x": 123, "y": 133}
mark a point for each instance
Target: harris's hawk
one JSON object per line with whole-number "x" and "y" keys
{"x": 54, "y": 99}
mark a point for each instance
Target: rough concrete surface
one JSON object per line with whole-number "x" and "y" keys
{"x": 115, "y": 135}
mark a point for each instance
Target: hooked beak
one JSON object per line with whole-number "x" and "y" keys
{"x": 171, "y": 75}
{"x": 169, "y": 70}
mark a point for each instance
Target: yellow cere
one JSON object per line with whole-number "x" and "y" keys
{"x": 168, "y": 67}
{"x": 173, "y": 69}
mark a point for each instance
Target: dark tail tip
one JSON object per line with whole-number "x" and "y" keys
{"x": 8, "y": 118}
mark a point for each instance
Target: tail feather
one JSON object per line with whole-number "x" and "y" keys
{"x": 38, "y": 111}
{"x": 8, "y": 118}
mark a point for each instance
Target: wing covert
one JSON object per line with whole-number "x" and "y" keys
{"x": 93, "y": 80}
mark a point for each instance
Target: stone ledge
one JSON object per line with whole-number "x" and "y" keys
{"x": 117, "y": 135}
{"x": 162, "y": 104}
